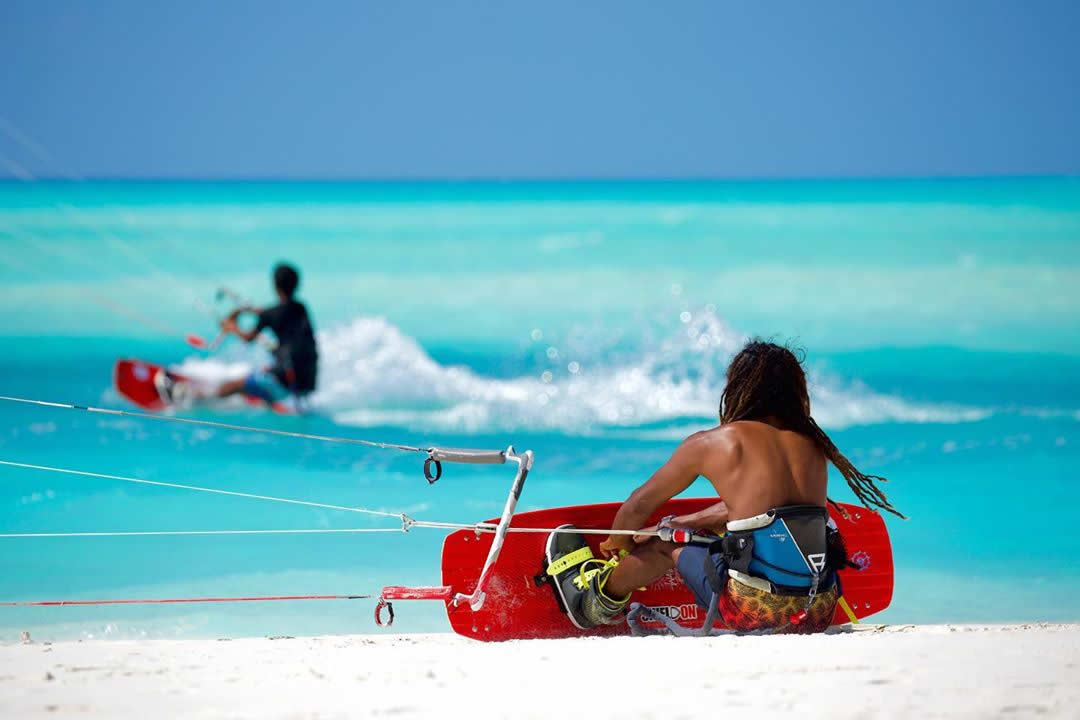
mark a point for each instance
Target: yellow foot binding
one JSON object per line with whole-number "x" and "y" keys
{"x": 578, "y": 578}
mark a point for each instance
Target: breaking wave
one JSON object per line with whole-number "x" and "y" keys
{"x": 373, "y": 374}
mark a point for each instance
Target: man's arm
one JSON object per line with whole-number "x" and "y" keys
{"x": 713, "y": 518}
{"x": 671, "y": 479}
{"x": 229, "y": 324}
{"x": 675, "y": 476}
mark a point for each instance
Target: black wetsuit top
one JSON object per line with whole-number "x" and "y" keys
{"x": 296, "y": 357}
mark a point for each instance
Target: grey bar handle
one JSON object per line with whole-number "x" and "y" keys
{"x": 475, "y": 457}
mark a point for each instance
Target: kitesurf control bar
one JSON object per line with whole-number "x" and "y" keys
{"x": 475, "y": 599}
{"x": 474, "y": 457}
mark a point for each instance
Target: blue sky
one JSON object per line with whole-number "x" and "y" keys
{"x": 557, "y": 89}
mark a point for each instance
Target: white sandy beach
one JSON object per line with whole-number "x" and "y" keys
{"x": 936, "y": 671}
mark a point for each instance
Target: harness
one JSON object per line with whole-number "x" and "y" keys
{"x": 784, "y": 551}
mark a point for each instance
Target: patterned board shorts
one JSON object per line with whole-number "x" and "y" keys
{"x": 748, "y": 608}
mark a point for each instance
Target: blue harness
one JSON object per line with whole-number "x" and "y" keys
{"x": 785, "y": 547}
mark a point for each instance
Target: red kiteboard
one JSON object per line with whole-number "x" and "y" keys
{"x": 517, "y": 607}
{"x": 134, "y": 379}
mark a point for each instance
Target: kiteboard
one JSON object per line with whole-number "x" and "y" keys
{"x": 135, "y": 381}
{"x": 520, "y": 605}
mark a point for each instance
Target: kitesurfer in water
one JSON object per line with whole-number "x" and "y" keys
{"x": 776, "y": 567}
{"x": 296, "y": 356}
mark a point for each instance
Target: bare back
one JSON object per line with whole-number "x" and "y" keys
{"x": 755, "y": 466}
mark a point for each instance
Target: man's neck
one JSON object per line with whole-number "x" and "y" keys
{"x": 773, "y": 421}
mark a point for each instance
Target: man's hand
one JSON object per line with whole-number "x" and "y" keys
{"x": 237, "y": 312}
{"x": 228, "y": 325}
{"x": 616, "y": 546}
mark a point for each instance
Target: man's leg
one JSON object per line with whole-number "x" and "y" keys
{"x": 231, "y": 387}
{"x": 648, "y": 562}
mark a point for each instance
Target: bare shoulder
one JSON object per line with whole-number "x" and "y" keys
{"x": 745, "y": 432}
{"x": 719, "y": 446}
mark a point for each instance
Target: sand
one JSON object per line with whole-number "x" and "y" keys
{"x": 1009, "y": 671}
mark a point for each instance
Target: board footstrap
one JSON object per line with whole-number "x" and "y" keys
{"x": 569, "y": 560}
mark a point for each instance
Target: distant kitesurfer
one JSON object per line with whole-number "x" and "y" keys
{"x": 776, "y": 566}
{"x": 296, "y": 357}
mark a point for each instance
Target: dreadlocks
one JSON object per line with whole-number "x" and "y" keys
{"x": 765, "y": 380}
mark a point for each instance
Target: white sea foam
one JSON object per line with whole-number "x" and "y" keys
{"x": 372, "y": 373}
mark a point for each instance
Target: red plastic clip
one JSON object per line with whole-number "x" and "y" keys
{"x": 681, "y": 536}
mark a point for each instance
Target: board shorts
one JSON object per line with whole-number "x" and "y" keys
{"x": 748, "y": 608}
{"x": 264, "y": 385}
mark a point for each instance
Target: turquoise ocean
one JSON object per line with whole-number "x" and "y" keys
{"x": 590, "y": 322}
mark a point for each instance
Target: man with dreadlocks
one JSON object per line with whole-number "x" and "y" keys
{"x": 775, "y": 566}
